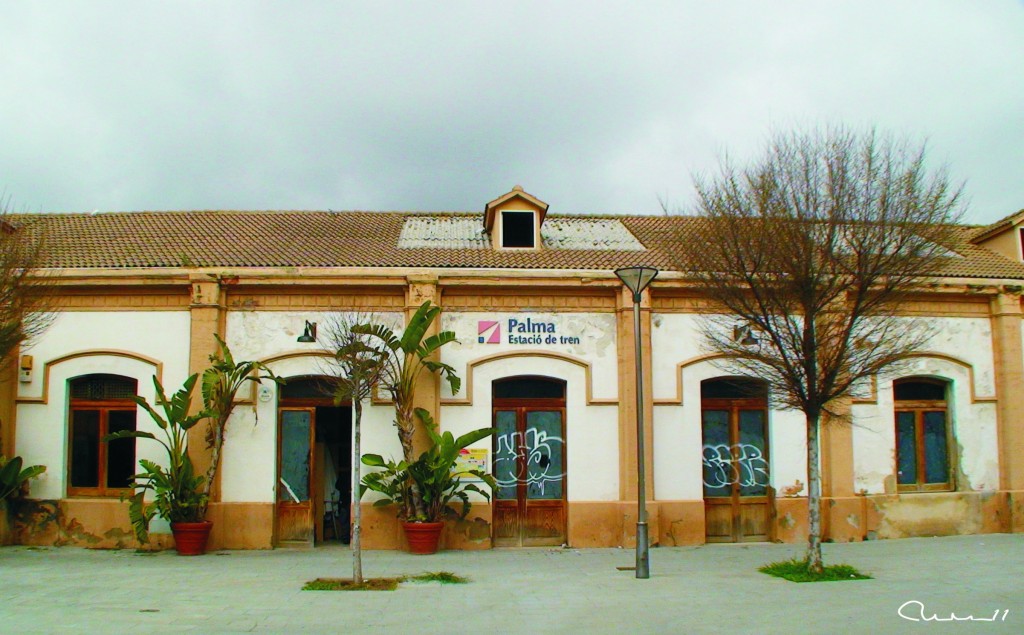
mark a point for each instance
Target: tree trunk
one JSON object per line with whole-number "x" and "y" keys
{"x": 414, "y": 502}
{"x": 217, "y": 434}
{"x": 814, "y": 563}
{"x": 357, "y": 514}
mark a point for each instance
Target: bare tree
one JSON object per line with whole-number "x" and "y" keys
{"x": 24, "y": 298}
{"x": 813, "y": 247}
{"x": 355, "y": 369}
{"x": 23, "y": 291}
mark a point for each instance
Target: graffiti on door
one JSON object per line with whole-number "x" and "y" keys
{"x": 741, "y": 464}
{"x": 537, "y": 453}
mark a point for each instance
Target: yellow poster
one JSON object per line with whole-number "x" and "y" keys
{"x": 471, "y": 459}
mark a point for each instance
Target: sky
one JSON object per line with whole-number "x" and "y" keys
{"x": 593, "y": 107}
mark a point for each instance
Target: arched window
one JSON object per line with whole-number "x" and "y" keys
{"x": 922, "y": 435}
{"x": 101, "y": 405}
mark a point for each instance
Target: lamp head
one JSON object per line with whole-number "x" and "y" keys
{"x": 308, "y": 334}
{"x": 636, "y": 279}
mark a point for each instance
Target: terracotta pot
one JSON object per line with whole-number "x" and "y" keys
{"x": 190, "y": 538}
{"x": 423, "y": 537}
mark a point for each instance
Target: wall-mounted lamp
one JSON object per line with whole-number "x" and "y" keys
{"x": 309, "y": 334}
{"x": 744, "y": 334}
{"x": 25, "y": 374}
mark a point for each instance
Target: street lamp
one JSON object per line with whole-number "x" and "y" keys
{"x": 637, "y": 279}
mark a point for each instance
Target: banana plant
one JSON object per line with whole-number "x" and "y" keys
{"x": 407, "y": 358}
{"x": 442, "y": 489}
{"x": 177, "y": 489}
{"x": 220, "y": 383}
{"x": 13, "y": 478}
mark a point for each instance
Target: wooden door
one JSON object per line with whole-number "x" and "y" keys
{"x": 529, "y": 466}
{"x": 295, "y": 469}
{"x": 737, "y": 495}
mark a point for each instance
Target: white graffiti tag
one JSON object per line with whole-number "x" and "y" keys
{"x": 532, "y": 455}
{"x": 742, "y": 464}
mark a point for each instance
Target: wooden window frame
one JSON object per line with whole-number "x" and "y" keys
{"x": 104, "y": 407}
{"x": 919, "y": 407}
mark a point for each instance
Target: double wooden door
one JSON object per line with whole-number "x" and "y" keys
{"x": 529, "y": 466}
{"x": 737, "y": 492}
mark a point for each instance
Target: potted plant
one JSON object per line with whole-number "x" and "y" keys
{"x": 177, "y": 489}
{"x": 405, "y": 359}
{"x": 433, "y": 477}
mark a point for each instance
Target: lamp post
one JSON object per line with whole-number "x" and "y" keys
{"x": 636, "y": 280}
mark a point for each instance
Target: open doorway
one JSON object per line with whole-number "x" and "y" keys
{"x": 314, "y": 465}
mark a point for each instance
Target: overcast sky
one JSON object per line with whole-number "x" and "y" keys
{"x": 593, "y": 107}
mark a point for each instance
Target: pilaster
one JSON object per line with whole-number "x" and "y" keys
{"x": 837, "y": 451}
{"x": 625, "y": 341}
{"x": 8, "y": 408}
{"x": 1009, "y": 375}
{"x": 428, "y": 388}
{"x": 206, "y": 308}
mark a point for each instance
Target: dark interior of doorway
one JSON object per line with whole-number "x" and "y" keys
{"x": 334, "y": 457}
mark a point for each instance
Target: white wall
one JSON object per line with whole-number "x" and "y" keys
{"x": 595, "y": 331}
{"x": 42, "y": 429}
{"x": 678, "y": 443}
{"x": 592, "y": 442}
{"x": 591, "y": 438}
{"x": 975, "y": 437}
{"x": 249, "y": 465}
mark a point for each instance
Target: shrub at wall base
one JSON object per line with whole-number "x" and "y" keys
{"x": 13, "y": 487}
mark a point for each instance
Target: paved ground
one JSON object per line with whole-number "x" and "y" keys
{"x": 707, "y": 589}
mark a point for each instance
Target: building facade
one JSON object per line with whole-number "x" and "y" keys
{"x": 545, "y": 352}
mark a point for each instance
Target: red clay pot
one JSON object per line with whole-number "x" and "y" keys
{"x": 423, "y": 537}
{"x": 190, "y": 538}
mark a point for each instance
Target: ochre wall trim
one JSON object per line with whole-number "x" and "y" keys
{"x": 565, "y": 300}
{"x": 872, "y": 397}
{"x": 122, "y": 300}
{"x": 471, "y": 367}
{"x": 45, "y": 398}
{"x": 677, "y": 400}
{"x": 306, "y": 299}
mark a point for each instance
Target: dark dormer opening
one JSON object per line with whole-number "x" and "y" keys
{"x": 517, "y": 229}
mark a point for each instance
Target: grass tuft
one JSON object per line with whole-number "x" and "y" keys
{"x": 795, "y": 570}
{"x": 444, "y": 577}
{"x": 343, "y": 584}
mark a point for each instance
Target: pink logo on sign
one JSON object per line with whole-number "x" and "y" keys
{"x": 482, "y": 328}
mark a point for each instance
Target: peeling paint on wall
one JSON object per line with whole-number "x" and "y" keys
{"x": 922, "y": 514}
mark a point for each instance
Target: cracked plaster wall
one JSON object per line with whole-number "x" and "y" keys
{"x": 676, "y": 338}
{"x": 975, "y": 437}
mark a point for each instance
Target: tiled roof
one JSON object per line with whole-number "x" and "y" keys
{"x": 464, "y": 231}
{"x": 1006, "y": 222}
{"x": 391, "y": 240}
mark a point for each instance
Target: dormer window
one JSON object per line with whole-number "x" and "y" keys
{"x": 518, "y": 229}
{"x": 513, "y": 220}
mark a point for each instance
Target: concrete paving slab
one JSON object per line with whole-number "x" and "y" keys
{"x": 706, "y": 589}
